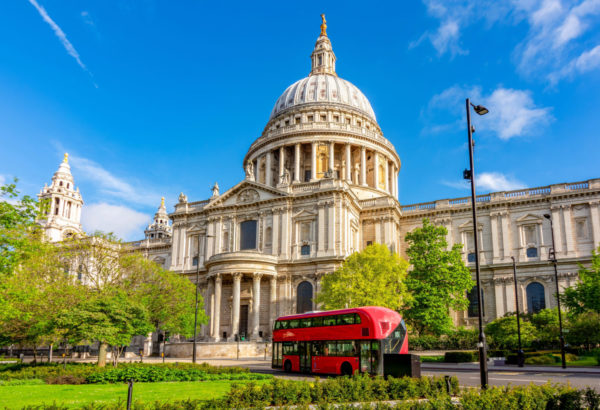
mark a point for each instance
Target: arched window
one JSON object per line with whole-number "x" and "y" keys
{"x": 304, "y": 295}
{"x": 536, "y": 300}
{"x": 473, "y": 310}
{"x": 248, "y": 235}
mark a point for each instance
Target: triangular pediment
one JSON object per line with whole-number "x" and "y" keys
{"x": 529, "y": 218}
{"x": 468, "y": 225}
{"x": 305, "y": 213}
{"x": 246, "y": 192}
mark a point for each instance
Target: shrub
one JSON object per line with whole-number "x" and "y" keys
{"x": 541, "y": 359}
{"x": 461, "y": 357}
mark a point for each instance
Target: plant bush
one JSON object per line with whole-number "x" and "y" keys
{"x": 458, "y": 339}
{"x": 461, "y": 357}
{"x": 80, "y": 373}
{"x": 541, "y": 359}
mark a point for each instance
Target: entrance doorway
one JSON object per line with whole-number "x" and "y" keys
{"x": 244, "y": 322}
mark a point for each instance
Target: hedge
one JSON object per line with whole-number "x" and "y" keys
{"x": 81, "y": 373}
{"x": 461, "y": 357}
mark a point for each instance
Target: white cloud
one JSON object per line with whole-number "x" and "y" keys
{"x": 488, "y": 182}
{"x": 61, "y": 36}
{"x": 513, "y": 113}
{"x": 553, "y": 28}
{"x": 124, "y": 222}
{"x": 109, "y": 184}
{"x": 495, "y": 181}
{"x": 588, "y": 60}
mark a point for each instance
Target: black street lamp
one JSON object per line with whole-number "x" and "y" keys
{"x": 552, "y": 258}
{"x": 470, "y": 174}
{"x": 520, "y": 354}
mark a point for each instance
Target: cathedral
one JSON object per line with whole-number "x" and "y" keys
{"x": 321, "y": 182}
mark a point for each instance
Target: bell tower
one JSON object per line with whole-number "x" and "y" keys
{"x": 63, "y": 205}
{"x": 160, "y": 228}
{"x": 323, "y": 59}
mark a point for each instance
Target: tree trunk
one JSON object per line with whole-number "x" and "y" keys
{"x": 50, "y": 351}
{"x": 34, "y": 354}
{"x": 102, "y": 354}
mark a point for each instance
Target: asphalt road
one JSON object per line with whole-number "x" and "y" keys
{"x": 472, "y": 378}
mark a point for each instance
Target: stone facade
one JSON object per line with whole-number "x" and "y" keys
{"x": 321, "y": 182}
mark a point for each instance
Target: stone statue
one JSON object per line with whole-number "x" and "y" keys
{"x": 356, "y": 173}
{"x": 215, "y": 190}
{"x": 182, "y": 197}
{"x": 284, "y": 179}
{"x": 250, "y": 171}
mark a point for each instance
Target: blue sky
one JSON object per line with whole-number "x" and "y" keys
{"x": 153, "y": 98}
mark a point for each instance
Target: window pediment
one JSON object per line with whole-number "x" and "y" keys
{"x": 529, "y": 219}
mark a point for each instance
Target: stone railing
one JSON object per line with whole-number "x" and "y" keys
{"x": 147, "y": 242}
{"x": 504, "y": 196}
{"x": 377, "y": 202}
{"x": 330, "y": 126}
{"x": 198, "y": 204}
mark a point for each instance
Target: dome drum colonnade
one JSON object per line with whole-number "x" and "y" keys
{"x": 323, "y": 127}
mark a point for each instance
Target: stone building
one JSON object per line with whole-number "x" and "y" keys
{"x": 321, "y": 183}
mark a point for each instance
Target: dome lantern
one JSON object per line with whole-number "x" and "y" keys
{"x": 323, "y": 59}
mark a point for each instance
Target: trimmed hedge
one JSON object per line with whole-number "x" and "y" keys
{"x": 81, "y": 373}
{"x": 461, "y": 357}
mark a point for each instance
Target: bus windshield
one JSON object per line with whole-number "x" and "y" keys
{"x": 393, "y": 343}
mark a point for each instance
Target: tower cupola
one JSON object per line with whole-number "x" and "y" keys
{"x": 323, "y": 59}
{"x": 159, "y": 228}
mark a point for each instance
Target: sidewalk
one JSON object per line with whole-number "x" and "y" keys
{"x": 469, "y": 367}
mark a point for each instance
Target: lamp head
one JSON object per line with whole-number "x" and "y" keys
{"x": 480, "y": 109}
{"x": 547, "y": 216}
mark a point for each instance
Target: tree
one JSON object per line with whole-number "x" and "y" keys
{"x": 20, "y": 235}
{"x": 584, "y": 329}
{"x": 546, "y": 324}
{"x": 372, "y": 277}
{"x": 438, "y": 280}
{"x": 585, "y": 295}
{"x": 502, "y": 333}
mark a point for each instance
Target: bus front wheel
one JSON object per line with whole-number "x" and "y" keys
{"x": 287, "y": 366}
{"x": 346, "y": 369}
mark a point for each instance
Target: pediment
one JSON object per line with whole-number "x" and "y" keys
{"x": 468, "y": 225}
{"x": 305, "y": 214}
{"x": 197, "y": 227}
{"x": 530, "y": 219}
{"x": 246, "y": 192}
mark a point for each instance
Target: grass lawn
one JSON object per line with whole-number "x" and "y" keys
{"x": 582, "y": 361}
{"x": 429, "y": 359}
{"x": 77, "y": 395}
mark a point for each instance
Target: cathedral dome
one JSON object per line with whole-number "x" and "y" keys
{"x": 323, "y": 89}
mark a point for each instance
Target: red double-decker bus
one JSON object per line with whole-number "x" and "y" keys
{"x": 338, "y": 341}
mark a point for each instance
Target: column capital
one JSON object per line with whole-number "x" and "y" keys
{"x": 257, "y": 276}
{"x": 237, "y": 276}
{"x": 218, "y": 278}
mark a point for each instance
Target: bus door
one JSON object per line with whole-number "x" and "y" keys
{"x": 369, "y": 356}
{"x": 304, "y": 353}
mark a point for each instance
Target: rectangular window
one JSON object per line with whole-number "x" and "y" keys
{"x": 310, "y": 118}
{"x": 346, "y": 319}
{"x": 329, "y": 320}
{"x": 317, "y": 321}
{"x": 323, "y": 118}
{"x": 336, "y": 118}
{"x": 306, "y": 322}
{"x": 532, "y": 252}
{"x": 195, "y": 261}
{"x": 369, "y": 243}
{"x": 318, "y": 348}
{"x": 297, "y": 120}
{"x": 347, "y": 348}
{"x": 471, "y": 257}
{"x": 290, "y": 348}
{"x": 331, "y": 348}
{"x": 305, "y": 250}
{"x": 248, "y": 235}
{"x": 294, "y": 323}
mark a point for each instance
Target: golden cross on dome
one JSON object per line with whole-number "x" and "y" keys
{"x": 162, "y": 201}
{"x": 323, "y": 26}
{"x": 66, "y": 158}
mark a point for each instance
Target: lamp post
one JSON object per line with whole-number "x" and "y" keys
{"x": 470, "y": 174}
{"x": 552, "y": 258}
{"x": 520, "y": 355}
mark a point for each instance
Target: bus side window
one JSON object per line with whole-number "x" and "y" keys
{"x": 331, "y": 348}
{"x": 284, "y": 324}
{"x": 346, "y": 319}
{"x": 317, "y": 321}
{"x": 356, "y": 319}
{"x": 305, "y": 322}
{"x": 293, "y": 324}
{"x": 329, "y": 320}
{"x": 317, "y": 348}
{"x": 277, "y": 325}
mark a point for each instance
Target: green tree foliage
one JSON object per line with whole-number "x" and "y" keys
{"x": 19, "y": 233}
{"x": 373, "y": 277}
{"x": 584, "y": 330}
{"x": 585, "y": 295}
{"x": 438, "y": 280}
{"x": 502, "y": 333}
{"x": 546, "y": 324}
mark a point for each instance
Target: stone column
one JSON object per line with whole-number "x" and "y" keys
{"x": 556, "y": 221}
{"x": 268, "y": 171}
{"x": 209, "y": 305}
{"x": 376, "y": 169}
{"x": 331, "y": 156}
{"x": 313, "y": 162}
{"x": 297, "y": 163}
{"x": 217, "y": 310}
{"x": 255, "y": 305}
{"x": 235, "y": 320}
{"x": 363, "y": 166}
{"x": 272, "y": 303}
{"x": 506, "y": 239}
{"x": 281, "y": 162}
{"x": 396, "y": 171}
{"x": 284, "y": 233}
{"x": 569, "y": 231}
{"x": 321, "y": 229}
{"x": 594, "y": 213}
{"x": 495, "y": 238}
{"x": 275, "y": 232}
{"x": 387, "y": 176}
{"x": 348, "y": 175}
{"x": 331, "y": 227}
